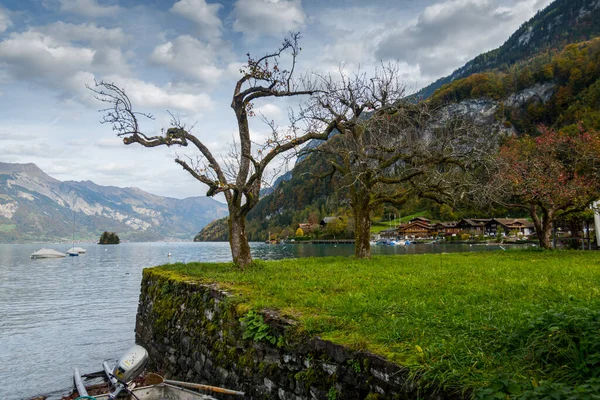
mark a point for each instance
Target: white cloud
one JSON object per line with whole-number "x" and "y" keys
{"x": 269, "y": 17}
{"x": 112, "y": 142}
{"x": 88, "y": 8}
{"x": 447, "y": 34}
{"x": 148, "y": 95}
{"x": 5, "y": 21}
{"x": 203, "y": 14}
{"x": 270, "y": 111}
{"x": 190, "y": 57}
{"x": 33, "y": 55}
{"x": 89, "y": 33}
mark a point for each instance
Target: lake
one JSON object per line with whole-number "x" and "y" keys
{"x": 57, "y": 314}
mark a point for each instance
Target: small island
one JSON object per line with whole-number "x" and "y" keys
{"x": 109, "y": 238}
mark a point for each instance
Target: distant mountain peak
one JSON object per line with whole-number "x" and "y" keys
{"x": 26, "y": 168}
{"x": 37, "y": 207}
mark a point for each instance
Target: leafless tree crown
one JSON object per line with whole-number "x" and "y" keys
{"x": 239, "y": 172}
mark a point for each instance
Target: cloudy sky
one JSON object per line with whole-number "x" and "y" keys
{"x": 184, "y": 56}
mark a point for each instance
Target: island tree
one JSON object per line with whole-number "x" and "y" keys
{"x": 109, "y": 238}
{"x": 390, "y": 150}
{"x": 238, "y": 176}
{"x": 552, "y": 176}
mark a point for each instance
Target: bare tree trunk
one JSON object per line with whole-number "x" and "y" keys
{"x": 543, "y": 227}
{"x": 362, "y": 228}
{"x": 546, "y": 233}
{"x": 238, "y": 241}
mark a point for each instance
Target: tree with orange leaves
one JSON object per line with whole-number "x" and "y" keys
{"x": 552, "y": 175}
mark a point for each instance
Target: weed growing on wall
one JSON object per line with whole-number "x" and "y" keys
{"x": 256, "y": 329}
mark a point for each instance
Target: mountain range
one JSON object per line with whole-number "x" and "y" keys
{"x": 560, "y": 23}
{"x": 36, "y": 207}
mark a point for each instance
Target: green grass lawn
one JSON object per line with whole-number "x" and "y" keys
{"x": 512, "y": 322}
{"x": 379, "y": 226}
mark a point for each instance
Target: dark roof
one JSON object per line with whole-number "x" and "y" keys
{"x": 474, "y": 221}
{"x": 514, "y": 222}
{"x": 327, "y": 220}
{"x": 420, "y": 219}
{"x": 419, "y": 223}
{"x": 449, "y": 224}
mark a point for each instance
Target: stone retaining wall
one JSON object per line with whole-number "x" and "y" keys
{"x": 193, "y": 332}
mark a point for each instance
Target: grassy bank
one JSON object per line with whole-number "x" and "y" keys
{"x": 378, "y": 226}
{"x": 518, "y": 322}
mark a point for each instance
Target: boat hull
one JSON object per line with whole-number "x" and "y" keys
{"x": 162, "y": 391}
{"x": 47, "y": 253}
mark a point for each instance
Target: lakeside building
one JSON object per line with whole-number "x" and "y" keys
{"x": 416, "y": 228}
{"x": 474, "y": 226}
{"x": 447, "y": 228}
{"x": 520, "y": 226}
{"x": 423, "y": 228}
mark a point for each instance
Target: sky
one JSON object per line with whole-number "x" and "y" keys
{"x": 184, "y": 57}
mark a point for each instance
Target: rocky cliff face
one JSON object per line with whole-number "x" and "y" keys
{"x": 37, "y": 207}
{"x": 485, "y": 111}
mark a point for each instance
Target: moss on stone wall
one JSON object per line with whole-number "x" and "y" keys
{"x": 196, "y": 332}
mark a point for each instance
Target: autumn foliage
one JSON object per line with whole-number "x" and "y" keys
{"x": 552, "y": 175}
{"x": 573, "y": 70}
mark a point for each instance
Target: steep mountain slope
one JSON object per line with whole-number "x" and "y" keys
{"x": 561, "y": 23}
{"x": 37, "y": 207}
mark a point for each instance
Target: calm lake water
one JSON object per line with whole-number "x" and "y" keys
{"x": 57, "y": 314}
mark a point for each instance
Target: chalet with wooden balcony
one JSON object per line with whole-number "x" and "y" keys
{"x": 446, "y": 228}
{"x": 520, "y": 226}
{"x": 474, "y": 226}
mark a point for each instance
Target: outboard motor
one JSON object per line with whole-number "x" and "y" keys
{"x": 131, "y": 364}
{"x": 129, "y": 367}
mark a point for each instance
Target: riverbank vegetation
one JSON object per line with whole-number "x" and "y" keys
{"x": 515, "y": 324}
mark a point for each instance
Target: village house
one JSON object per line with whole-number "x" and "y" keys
{"x": 474, "y": 226}
{"x": 419, "y": 228}
{"x": 307, "y": 227}
{"x": 520, "y": 226}
{"x": 446, "y": 228}
{"x": 389, "y": 234}
{"x": 416, "y": 228}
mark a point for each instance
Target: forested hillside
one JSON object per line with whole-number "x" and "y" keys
{"x": 574, "y": 73}
{"x": 561, "y": 23}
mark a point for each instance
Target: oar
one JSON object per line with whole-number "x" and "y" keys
{"x": 154, "y": 379}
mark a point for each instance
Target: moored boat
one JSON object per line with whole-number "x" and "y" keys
{"x": 47, "y": 253}
{"x": 78, "y": 250}
{"x": 157, "y": 392}
{"x": 125, "y": 380}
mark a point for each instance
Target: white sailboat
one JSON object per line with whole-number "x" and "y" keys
{"x": 78, "y": 250}
{"x": 75, "y": 251}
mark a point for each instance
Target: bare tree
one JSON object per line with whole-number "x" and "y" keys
{"x": 390, "y": 150}
{"x": 238, "y": 177}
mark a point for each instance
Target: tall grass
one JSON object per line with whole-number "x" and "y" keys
{"x": 458, "y": 321}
